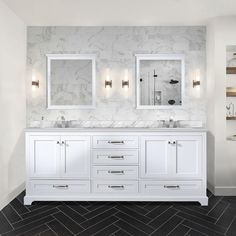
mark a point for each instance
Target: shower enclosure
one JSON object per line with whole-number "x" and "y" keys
{"x": 159, "y": 80}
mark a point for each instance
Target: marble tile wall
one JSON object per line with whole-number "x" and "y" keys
{"x": 115, "y": 48}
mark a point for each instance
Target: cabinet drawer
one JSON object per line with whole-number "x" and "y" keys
{"x": 115, "y": 172}
{"x": 115, "y": 141}
{"x": 171, "y": 188}
{"x": 115, "y": 157}
{"x": 117, "y": 187}
{"x": 58, "y": 187}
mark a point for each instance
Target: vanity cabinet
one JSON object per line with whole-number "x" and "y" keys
{"x": 55, "y": 156}
{"x": 116, "y": 165}
{"x": 171, "y": 157}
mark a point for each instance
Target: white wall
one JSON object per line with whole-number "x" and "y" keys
{"x": 221, "y": 152}
{"x": 12, "y": 103}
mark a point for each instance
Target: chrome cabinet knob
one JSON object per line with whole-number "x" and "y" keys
{"x": 169, "y": 142}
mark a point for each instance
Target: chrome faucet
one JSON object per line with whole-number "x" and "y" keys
{"x": 62, "y": 123}
{"x": 171, "y": 123}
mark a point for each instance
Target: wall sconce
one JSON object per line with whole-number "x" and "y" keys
{"x": 35, "y": 83}
{"x": 197, "y": 82}
{"x": 108, "y": 83}
{"x": 125, "y": 84}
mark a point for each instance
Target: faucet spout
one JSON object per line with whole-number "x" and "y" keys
{"x": 171, "y": 122}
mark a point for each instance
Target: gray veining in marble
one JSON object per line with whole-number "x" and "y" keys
{"x": 115, "y": 48}
{"x": 71, "y": 82}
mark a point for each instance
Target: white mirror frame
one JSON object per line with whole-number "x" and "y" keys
{"x": 51, "y": 57}
{"x": 141, "y": 57}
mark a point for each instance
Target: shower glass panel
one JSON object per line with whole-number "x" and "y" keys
{"x": 159, "y": 80}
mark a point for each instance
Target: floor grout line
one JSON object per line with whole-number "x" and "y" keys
{"x": 81, "y": 207}
{"x": 16, "y": 212}
{"x": 213, "y": 207}
{"x": 106, "y": 227}
{"x": 7, "y": 219}
{"x": 230, "y": 225}
{"x": 98, "y": 214}
{"x": 97, "y": 223}
{"x": 123, "y": 230}
{"x": 159, "y": 215}
{"x": 137, "y": 219}
{"x": 188, "y": 230}
{"x": 132, "y": 226}
{"x": 195, "y": 215}
{"x": 152, "y": 210}
{"x": 194, "y": 230}
{"x": 64, "y": 226}
{"x": 175, "y": 227}
{"x": 51, "y": 228}
{"x": 68, "y": 217}
{"x": 204, "y": 225}
{"x": 163, "y": 223}
{"x": 222, "y": 213}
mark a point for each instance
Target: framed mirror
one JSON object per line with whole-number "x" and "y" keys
{"x": 71, "y": 81}
{"x": 160, "y": 81}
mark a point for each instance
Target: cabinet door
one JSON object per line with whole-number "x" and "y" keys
{"x": 44, "y": 156}
{"x": 188, "y": 156}
{"x": 75, "y": 157}
{"x": 155, "y": 156}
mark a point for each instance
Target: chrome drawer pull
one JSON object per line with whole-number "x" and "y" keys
{"x": 116, "y": 186}
{"x": 116, "y": 142}
{"x": 116, "y": 157}
{"x": 116, "y": 172}
{"x": 61, "y": 186}
{"x": 171, "y": 186}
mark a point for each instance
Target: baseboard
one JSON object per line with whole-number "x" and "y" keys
{"x": 12, "y": 195}
{"x": 211, "y": 188}
{"x": 225, "y": 191}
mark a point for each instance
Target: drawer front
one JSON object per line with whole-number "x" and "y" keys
{"x": 115, "y": 157}
{"x": 115, "y": 141}
{"x": 115, "y": 172}
{"x": 171, "y": 188}
{"x": 58, "y": 187}
{"x": 117, "y": 187}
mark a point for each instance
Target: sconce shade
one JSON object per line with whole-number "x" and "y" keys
{"x": 196, "y": 83}
{"x": 108, "y": 83}
{"x": 125, "y": 83}
{"x": 35, "y": 83}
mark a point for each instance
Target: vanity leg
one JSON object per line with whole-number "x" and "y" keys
{"x": 204, "y": 201}
{"x": 28, "y": 200}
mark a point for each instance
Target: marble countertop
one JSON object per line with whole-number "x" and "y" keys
{"x": 113, "y": 129}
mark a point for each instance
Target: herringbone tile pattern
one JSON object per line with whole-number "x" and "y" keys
{"x": 119, "y": 219}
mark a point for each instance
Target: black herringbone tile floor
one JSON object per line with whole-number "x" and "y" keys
{"x": 119, "y": 219}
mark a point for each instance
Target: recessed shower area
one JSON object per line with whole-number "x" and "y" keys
{"x": 160, "y": 80}
{"x": 231, "y": 92}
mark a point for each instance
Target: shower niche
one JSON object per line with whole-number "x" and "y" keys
{"x": 159, "y": 80}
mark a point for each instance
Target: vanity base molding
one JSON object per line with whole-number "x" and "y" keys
{"x": 28, "y": 200}
{"x": 116, "y": 166}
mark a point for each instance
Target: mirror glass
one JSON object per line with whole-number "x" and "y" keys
{"x": 160, "y": 81}
{"x": 71, "y": 81}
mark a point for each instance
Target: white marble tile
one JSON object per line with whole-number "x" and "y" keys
{"x": 115, "y": 48}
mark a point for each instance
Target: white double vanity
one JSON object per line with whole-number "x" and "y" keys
{"x": 116, "y": 164}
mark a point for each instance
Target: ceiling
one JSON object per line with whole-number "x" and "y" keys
{"x": 120, "y": 12}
